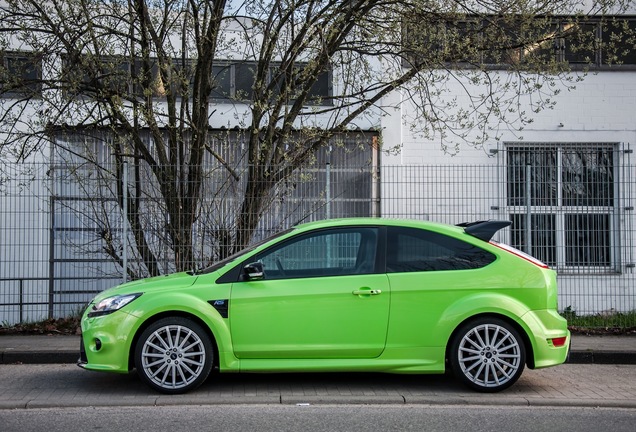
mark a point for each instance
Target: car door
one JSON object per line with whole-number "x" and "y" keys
{"x": 320, "y": 297}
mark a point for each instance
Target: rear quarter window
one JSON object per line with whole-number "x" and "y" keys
{"x": 417, "y": 250}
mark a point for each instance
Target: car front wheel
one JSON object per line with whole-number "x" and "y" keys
{"x": 487, "y": 354}
{"x": 174, "y": 355}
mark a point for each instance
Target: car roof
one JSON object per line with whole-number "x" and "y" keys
{"x": 481, "y": 229}
{"x": 379, "y": 221}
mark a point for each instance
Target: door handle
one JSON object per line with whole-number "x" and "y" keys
{"x": 367, "y": 292}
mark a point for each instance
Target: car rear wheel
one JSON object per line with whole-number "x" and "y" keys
{"x": 174, "y": 355}
{"x": 488, "y": 354}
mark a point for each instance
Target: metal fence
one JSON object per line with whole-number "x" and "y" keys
{"x": 61, "y": 227}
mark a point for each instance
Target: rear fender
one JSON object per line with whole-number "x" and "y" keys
{"x": 471, "y": 307}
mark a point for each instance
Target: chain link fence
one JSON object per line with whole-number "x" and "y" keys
{"x": 67, "y": 232}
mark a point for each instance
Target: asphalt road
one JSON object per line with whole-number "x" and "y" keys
{"x": 320, "y": 418}
{"x": 30, "y": 387}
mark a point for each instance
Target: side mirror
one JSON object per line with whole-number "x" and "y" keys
{"x": 254, "y": 271}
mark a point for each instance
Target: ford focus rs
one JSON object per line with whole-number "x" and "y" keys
{"x": 364, "y": 294}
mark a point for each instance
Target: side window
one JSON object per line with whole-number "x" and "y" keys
{"x": 334, "y": 252}
{"x": 417, "y": 250}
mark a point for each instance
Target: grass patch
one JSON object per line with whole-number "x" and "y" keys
{"x": 610, "y": 322}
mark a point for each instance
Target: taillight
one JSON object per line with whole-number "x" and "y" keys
{"x": 559, "y": 342}
{"x": 520, "y": 254}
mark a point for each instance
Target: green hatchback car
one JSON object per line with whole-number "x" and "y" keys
{"x": 363, "y": 294}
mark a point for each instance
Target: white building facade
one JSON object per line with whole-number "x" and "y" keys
{"x": 567, "y": 180}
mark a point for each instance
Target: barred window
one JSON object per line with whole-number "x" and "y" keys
{"x": 568, "y": 193}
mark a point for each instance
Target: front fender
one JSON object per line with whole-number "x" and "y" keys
{"x": 189, "y": 305}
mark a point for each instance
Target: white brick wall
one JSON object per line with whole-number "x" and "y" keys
{"x": 601, "y": 108}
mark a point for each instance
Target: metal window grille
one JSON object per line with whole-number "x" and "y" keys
{"x": 561, "y": 199}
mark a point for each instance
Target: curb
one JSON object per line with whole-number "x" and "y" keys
{"x": 602, "y": 357}
{"x": 166, "y": 401}
{"x": 38, "y": 357}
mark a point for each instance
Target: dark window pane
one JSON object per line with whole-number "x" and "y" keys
{"x": 115, "y": 76}
{"x": 288, "y": 86}
{"x": 415, "y": 250}
{"x": 319, "y": 91}
{"x": 540, "y": 40}
{"x": 424, "y": 40}
{"x": 580, "y": 42}
{"x": 22, "y": 73}
{"x": 183, "y": 72}
{"x": 542, "y": 236}
{"x": 463, "y": 42}
{"x": 542, "y": 164}
{"x": 587, "y": 240}
{"x": 619, "y": 42}
{"x": 588, "y": 177}
{"x": 22, "y": 67}
{"x": 155, "y": 81}
{"x": 244, "y": 76}
{"x": 444, "y": 40}
{"x": 221, "y": 82}
{"x": 282, "y": 83}
{"x": 502, "y": 38}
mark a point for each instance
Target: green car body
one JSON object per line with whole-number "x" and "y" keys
{"x": 384, "y": 316}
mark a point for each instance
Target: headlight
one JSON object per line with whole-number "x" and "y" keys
{"x": 111, "y": 304}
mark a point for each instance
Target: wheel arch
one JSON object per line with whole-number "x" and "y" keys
{"x": 171, "y": 314}
{"x": 515, "y": 324}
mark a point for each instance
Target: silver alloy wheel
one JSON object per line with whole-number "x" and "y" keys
{"x": 173, "y": 356}
{"x": 489, "y": 356}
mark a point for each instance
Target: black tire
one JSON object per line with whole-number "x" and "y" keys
{"x": 174, "y": 355}
{"x": 487, "y": 354}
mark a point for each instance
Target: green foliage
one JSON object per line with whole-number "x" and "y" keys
{"x": 611, "y": 322}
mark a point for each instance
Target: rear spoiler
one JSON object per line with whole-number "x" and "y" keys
{"x": 484, "y": 230}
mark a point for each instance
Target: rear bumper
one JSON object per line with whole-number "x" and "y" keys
{"x": 545, "y": 327}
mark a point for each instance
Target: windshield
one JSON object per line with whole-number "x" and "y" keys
{"x": 217, "y": 265}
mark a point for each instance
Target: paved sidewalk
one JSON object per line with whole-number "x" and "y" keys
{"x": 39, "y": 386}
{"x": 30, "y": 381}
{"x": 36, "y": 349}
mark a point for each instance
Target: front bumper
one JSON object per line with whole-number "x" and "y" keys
{"x": 106, "y": 342}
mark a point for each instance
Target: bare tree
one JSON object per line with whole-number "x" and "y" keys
{"x": 143, "y": 74}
